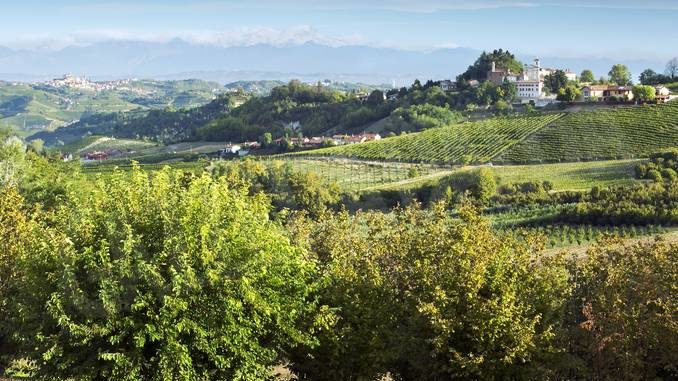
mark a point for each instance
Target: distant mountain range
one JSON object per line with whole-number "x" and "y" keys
{"x": 178, "y": 59}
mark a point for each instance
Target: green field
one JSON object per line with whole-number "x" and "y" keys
{"x": 471, "y": 142}
{"x": 604, "y": 134}
{"x": 100, "y": 143}
{"x": 571, "y": 176}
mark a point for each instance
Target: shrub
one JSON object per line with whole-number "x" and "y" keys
{"x": 161, "y": 277}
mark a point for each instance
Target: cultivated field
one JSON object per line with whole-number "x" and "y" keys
{"x": 470, "y": 142}
{"x": 571, "y": 176}
{"x": 596, "y": 135}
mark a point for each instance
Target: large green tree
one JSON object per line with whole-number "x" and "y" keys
{"x": 161, "y": 277}
{"x": 587, "y": 76}
{"x": 620, "y": 75}
{"x": 555, "y": 81}
{"x": 569, "y": 93}
{"x": 644, "y": 93}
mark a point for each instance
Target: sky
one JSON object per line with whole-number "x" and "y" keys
{"x": 566, "y": 28}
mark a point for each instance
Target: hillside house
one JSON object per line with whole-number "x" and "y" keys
{"x": 497, "y": 75}
{"x": 607, "y": 92}
{"x": 662, "y": 93}
{"x": 251, "y": 145}
{"x": 355, "y": 139}
{"x": 448, "y": 85}
{"x": 96, "y": 156}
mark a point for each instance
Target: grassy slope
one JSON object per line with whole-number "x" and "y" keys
{"x": 100, "y": 143}
{"x": 475, "y": 142}
{"x": 563, "y": 176}
{"x": 627, "y": 132}
{"x": 605, "y": 134}
{"x": 571, "y": 176}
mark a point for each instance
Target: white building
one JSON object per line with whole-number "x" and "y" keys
{"x": 527, "y": 89}
{"x": 530, "y": 84}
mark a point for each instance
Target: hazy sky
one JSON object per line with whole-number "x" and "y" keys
{"x": 576, "y": 28}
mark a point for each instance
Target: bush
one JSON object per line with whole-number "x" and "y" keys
{"x": 625, "y": 326}
{"x": 424, "y": 297}
{"x": 163, "y": 277}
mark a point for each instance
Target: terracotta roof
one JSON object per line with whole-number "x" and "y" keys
{"x": 609, "y": 87}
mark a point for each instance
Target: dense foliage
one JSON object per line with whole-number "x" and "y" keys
{"x": 424, "y": 297}
{"x": 286, "y": 187}
{"x": 173, "y": 275}
{"x": 503, "y": 59}
{"x": 627, "y": 317}
{"x": 162, "y": 277}
{"x": 662, "y": 166}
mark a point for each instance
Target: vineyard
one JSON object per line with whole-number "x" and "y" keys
{"x": 353, "y": 175}
{"x": 559, "y": 236}
{"x": 596, "y": 135}
{"x": 471, "y": 142}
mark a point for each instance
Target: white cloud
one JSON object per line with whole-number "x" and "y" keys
{"x": 272, "y": 36}
{"x": 246, "y": 36}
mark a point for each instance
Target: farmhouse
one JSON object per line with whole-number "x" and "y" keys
{"x": 355, "y": 139}
{"x": 97, "y": 156}
{"x": 448, "y": 85}
{"x": 662, "y": 93}
{"x": 607, "y": 92}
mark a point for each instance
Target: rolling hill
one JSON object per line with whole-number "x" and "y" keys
{"x": 620, "y": 133}
{"x": 470, "y": 142}
{"x": 29, "y": 108}
{"x": 627, "y": 132}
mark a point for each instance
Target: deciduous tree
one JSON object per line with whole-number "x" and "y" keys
{"x": 620, "y": 75}
{"x": 162, "y": 277}
{"x": 587, "y": 76}
{"x": 644, "y": 93}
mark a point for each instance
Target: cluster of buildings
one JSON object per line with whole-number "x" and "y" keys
{"x": 530, "y": 85}
{"x": 530, "y": 82}
{"x": 242, "y": 149}
{"x": 98, "y": 155}
{"x": 81, "y": 83}
{"x": 318, "y": 141}
{"x": 607, "y": 93}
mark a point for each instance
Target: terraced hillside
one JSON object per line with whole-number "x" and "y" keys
{"x": 471, "y": 142}
{"x": 604, "y": 134}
